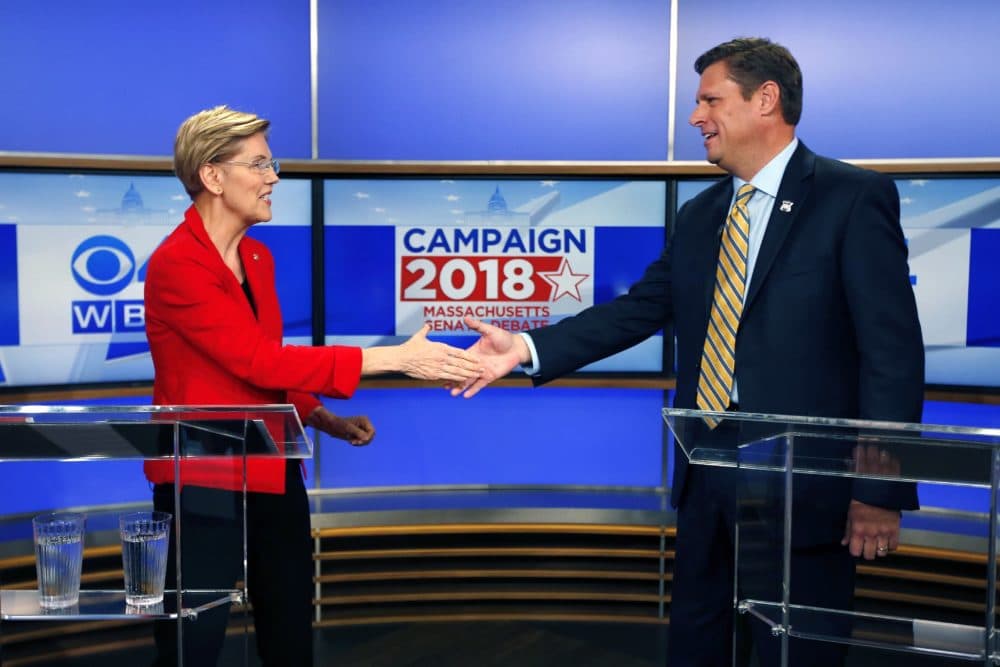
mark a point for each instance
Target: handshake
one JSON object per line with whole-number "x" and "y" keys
{"x": 465, "y": 372}
{"x": 496, "y": 353}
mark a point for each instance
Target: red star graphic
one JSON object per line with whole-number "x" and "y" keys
{"x": 565, "y": 281}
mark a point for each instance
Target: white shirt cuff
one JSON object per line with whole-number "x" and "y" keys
{"x": 535, "y": 368}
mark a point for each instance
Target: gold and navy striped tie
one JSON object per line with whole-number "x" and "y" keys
{"x": 718, "y": 360}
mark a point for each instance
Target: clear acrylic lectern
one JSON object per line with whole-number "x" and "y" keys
{"x": 781, "y": 457}
{"x": 65, "y": 440}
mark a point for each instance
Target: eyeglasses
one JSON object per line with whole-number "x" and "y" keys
{"x": 261, "y": 165}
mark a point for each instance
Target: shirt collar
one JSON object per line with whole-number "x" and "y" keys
{"x": 768, "y": 179}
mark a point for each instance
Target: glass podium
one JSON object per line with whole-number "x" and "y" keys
{"x": 179, "y": 442}
{"x": 773, "y": 458}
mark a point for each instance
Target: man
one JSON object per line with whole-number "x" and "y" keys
{"x": 793, "y": 298}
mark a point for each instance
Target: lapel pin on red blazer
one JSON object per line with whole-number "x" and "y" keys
{"x": 786, "y": 206}
{"x": 255, "y": 258}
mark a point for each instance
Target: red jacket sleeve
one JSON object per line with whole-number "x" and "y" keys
{"x": 194, "y": 319}
{"x": 304, "y": 403}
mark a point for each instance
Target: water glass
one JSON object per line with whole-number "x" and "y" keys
{"x": 145, "y": 536}
{"x": 58, "y": 558}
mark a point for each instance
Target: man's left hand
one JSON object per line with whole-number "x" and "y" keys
{"x": 872, "y": 531}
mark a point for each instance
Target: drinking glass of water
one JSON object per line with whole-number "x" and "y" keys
{"x": 144, "y": 555}
{"x": 58, "y": 558}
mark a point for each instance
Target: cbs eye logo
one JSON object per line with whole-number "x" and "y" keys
{"x": 103, "y": 265}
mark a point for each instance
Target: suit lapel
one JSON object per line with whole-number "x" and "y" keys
{"x": 795, "y": 185}
{"x": 715, "y": 218}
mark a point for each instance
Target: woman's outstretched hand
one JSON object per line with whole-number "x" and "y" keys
{"x": 426, "y": 360}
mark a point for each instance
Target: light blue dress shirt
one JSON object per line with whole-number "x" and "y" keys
{"x": 766, "y": 181}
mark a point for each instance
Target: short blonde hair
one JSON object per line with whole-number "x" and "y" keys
{"x": 210, "y": 136}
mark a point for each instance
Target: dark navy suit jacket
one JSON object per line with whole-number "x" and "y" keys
{"x": 829, "y": 326}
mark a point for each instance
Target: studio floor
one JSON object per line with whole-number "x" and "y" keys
{"x": 462, "y": 644}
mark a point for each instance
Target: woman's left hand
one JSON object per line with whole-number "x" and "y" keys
{"x": 357, "y": 430}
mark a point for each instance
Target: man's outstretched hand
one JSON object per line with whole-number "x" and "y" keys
{"x": 499, "y": 351}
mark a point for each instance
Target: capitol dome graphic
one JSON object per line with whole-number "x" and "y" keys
{"x": 132, "y": 200}
{"x": 132, "y": 206}
{"x": 498, "y": 213}
{"x": 497, "y": 204}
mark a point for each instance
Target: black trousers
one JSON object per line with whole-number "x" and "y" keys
{"x": 702, "y": 615}
{"x": 279, "y": 570}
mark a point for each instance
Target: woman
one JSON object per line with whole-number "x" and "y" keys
{"x": 214, "y": 329}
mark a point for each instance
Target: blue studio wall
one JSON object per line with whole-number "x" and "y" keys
{"x": 115, "y": 77}
{"x": 503, "y": 80}
{"x": 499, "y": 80}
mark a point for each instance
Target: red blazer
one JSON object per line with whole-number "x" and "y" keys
{"x": 209, "y": 349}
